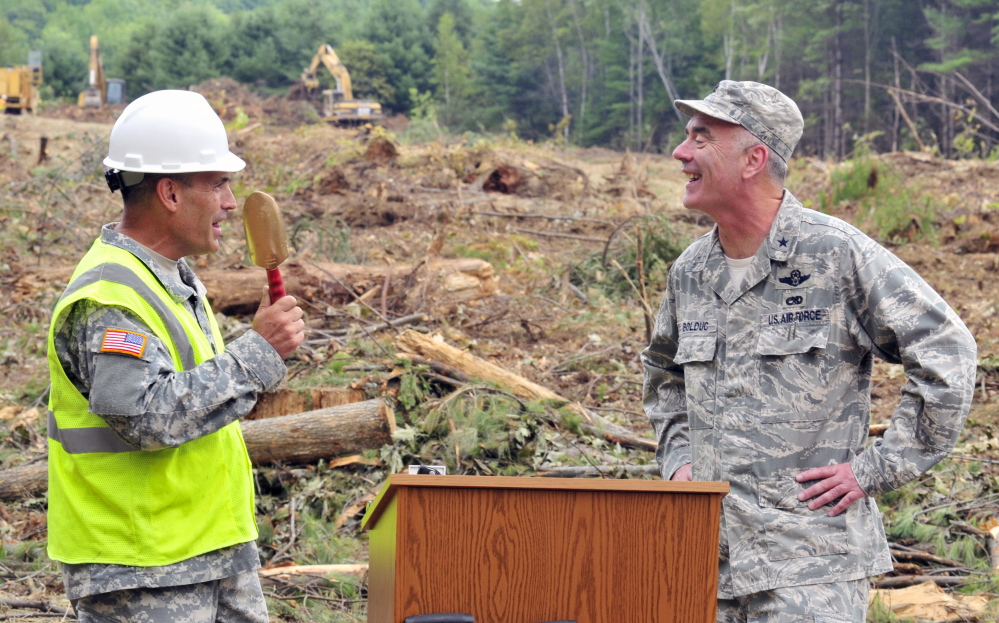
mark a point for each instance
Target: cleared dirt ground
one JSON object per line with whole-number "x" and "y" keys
{"x": 551, "y": 220}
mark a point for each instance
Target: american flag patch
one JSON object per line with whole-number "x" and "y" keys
{"x": 121, "y": 341}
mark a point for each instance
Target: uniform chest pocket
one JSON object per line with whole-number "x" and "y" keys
{"x": 795, "y": 370}
{"x": 792, "y": 339}
{"x": 696, "y": 353}
{"x": 697, "y": 348}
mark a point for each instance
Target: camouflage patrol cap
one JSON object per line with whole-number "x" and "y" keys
{"x": 765, "y": 112}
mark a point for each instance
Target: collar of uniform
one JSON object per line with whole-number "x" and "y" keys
{"x": 784, "y": 231}
{"x": 179, "y": 291}
{"x": 708, "y": 242}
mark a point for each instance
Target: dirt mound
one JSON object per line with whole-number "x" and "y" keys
{"x": 228, "y": 97}
{"x": 366, "y": 211}
{"x": 104, "y": 114}
{"x": 332, "y": 182}
{"x": 381, "y": 150}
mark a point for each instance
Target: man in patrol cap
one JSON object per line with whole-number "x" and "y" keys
{"x": 759, "y": 370}
{"x": 151, "y": 506}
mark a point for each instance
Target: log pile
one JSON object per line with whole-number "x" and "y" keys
{"x": 436, "y": 284}
{"x": 303, "y": 438}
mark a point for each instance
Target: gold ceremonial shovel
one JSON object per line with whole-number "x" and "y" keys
{"x": 266, "y": 238}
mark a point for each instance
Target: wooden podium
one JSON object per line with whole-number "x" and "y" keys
{"x": 532, "y": 550}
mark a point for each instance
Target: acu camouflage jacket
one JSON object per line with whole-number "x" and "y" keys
{"x": 753, "y": 384}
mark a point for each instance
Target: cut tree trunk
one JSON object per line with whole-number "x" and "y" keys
{"x": 302, "y": 438}
{"x": 27, "y": 481}
{"x": 443, "y": 283}
{"x": 292, "y": 401}
{"x": 437, "y": 284}
{"x": 321, "y": 434}
{"x": 417, "y": 343}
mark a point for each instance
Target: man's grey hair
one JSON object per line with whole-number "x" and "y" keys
{"x": 776, "y": 167}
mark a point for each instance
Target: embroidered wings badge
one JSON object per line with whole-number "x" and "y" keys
{"x": 795, "y": 279}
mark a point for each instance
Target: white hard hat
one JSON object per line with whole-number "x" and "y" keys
{"x": 170, "y": 132}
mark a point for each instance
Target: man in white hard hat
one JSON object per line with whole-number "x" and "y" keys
{"x": 759, "y": 370}
{"x": 151, "y": 506}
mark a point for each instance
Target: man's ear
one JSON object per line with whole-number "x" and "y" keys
{"x": 757, "y": 157}
{"x": 168, "y": 192}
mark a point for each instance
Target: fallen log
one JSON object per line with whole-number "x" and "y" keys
{"x": 291, "y": 401}
{"x": 346, "y": 569}
{"x": 32, "y": 604}
{"x": 417, "y": 343}
{"x": 302, "y": 438}
{"x": 439, "y": 284}
{"x": 321, "y": 434}
{"x": 443, "y": 282}
{"x": 26, "y": 481}
{"x": 901, "y": 581}
{"x": 917, "y": 556}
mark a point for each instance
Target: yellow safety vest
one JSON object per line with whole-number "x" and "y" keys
{"x": 111, "y": 503}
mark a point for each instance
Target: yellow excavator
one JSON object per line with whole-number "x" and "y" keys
{"x": 339, "y": 106}
{"x": 100, "y": 91}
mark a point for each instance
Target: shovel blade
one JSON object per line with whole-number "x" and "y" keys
{"x": 265, "y": 234}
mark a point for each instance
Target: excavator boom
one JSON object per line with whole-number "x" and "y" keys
{"x": 338, "y": 106}
{"x": 100, "y": 90}
{"x": 94, "y": 95}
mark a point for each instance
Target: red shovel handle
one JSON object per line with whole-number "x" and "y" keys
{"x": 275, "y": 284}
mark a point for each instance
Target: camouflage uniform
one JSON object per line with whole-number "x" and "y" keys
{"x": 150, "y": 405}
{"x": 754, "y": 383}
{"x": 837, "y": 602}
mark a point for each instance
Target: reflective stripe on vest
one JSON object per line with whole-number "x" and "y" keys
{"x": 84, "y": 440}
{"x": 116, "y": 273}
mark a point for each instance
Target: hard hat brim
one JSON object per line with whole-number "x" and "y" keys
{"x": 228, "y": 163}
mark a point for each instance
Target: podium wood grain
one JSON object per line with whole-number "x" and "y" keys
{"x": 527, "y": 550}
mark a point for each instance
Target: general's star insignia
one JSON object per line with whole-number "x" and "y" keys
{"x": 783, "y": 241}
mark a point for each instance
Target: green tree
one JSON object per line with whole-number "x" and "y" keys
{"x": 13, "y": 45}
{"x": 258, "y": 55}
{"x": 65, "y": 61}
{"x": 368, "y": 74}
{"x": 192, "y": 46}
{"x": 397, "y": 30}
{"x": 495, "y": 73}
{"x": 138, "y": 66}
{"x": 451, "y": 70}
{"x": 461, "y": 14}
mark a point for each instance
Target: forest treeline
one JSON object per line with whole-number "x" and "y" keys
{"x": 881, "y": 74}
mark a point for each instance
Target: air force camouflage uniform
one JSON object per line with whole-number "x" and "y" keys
{"x": 151, "y": 405}
{"x": 754, "y": 383}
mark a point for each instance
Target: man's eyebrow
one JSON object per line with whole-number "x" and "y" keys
{"x": 700, "y": 129}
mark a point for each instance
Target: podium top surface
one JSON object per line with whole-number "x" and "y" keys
{"x": 397, "y": 481}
